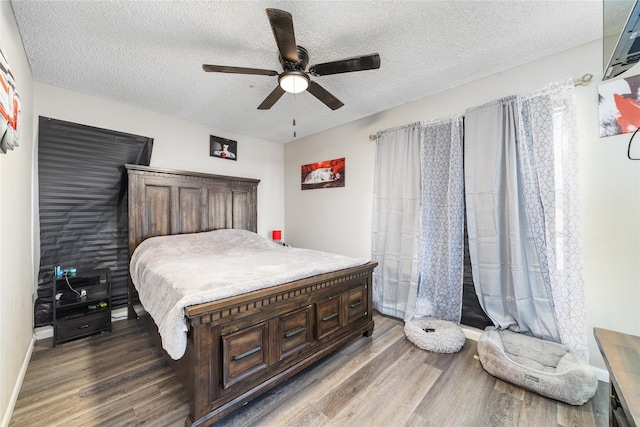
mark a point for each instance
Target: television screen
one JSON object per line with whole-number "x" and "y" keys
{"x": 621, "y": 31}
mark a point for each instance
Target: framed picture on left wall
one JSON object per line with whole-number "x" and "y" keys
{"x": 9, "y": 107}
{"x": 223, "y": 148}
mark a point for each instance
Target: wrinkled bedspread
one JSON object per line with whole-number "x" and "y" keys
{"x": 173, "y": 272}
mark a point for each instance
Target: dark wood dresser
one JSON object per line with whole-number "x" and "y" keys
{"x": 621, "y": 354}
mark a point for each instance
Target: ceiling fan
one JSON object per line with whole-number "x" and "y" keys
{"x": 294, "y": 60}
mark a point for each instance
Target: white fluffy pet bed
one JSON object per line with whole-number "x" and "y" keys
{"x": 430, "y": 333}
{"x": 545, "y": 367}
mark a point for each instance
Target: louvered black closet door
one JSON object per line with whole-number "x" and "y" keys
{"x": 83, "y": 202}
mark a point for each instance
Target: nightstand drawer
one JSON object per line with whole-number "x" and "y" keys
{"x": 81, "y": 326}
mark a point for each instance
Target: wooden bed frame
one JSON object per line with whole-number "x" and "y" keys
{"x": 242, "y": 346}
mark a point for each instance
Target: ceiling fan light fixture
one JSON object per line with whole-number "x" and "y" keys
{"x": 293, "y": 81}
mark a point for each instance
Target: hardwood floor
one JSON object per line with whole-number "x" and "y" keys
{"x": 120, "y": 379}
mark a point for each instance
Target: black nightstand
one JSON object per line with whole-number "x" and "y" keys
{"x": 87, "y": 312}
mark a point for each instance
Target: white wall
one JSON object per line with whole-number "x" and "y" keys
{"x": 333, "y": 219}
{"x": 16, "y": 247}
{"x": 178, "y": 144}
{"x": 339, "y": 220}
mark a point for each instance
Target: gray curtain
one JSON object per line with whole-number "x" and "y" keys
{"x": 523, "y": 211}
{"x": 523, "y": 217}
{"x": 441, "y": 261}
{"x": 396, "y": 201}
{"x": 507, "y": 270}
{"x": 550, "y": 180}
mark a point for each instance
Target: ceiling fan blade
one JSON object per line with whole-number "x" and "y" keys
{"x": 323, "y": 95}
{"x": 237, "y": 70}
{"x": 282, "y": 27}
{"x": 348, "y": 65}
{"x": 271, "y": 99}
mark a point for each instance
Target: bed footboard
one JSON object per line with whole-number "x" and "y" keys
{"x": 243, "y": 346}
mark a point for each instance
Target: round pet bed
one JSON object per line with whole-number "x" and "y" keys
{"x": 430, "y": 333}
{"x": 545, "y": 367}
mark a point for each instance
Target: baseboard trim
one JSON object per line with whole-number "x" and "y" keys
{"x": 602, "y": 374}
{"x": 18, "y": 385}
{"x": 471, "y": 332}
{"x": 43, "y": 332}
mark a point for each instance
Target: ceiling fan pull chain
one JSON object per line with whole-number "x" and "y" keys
{"x": 294, "y": 119}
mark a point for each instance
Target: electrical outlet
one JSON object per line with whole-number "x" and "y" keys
{"x": 83, "y": 292}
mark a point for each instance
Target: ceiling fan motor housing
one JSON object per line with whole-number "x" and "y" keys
{"x": 303, "y": 60}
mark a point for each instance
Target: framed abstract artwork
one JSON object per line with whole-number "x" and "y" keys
{"x": 619, "y": 106}
{"x": 325, "y": 174}
{"x": 10, "y": 106}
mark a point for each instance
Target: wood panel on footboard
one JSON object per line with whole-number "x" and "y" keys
{"x": 242, "y": 346}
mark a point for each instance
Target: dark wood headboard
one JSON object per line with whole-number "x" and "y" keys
{"x": 165, "y": 202}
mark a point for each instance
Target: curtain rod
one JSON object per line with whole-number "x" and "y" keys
{"x": 583, "y": 80}
{"x": 586, "y": 78}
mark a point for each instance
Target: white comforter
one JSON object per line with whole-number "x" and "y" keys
{"x": 173, "y": 272}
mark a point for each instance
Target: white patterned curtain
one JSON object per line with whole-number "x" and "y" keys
{"x": 523, "y": 214}
{"x": 441, "y": 262}
{"x": 550, "y": 150}
{"x": 396, "y": 199}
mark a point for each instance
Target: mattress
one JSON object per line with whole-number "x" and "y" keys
{"x": 173, "y": 272}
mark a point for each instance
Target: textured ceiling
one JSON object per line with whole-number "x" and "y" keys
{"x": 150, "y": 53}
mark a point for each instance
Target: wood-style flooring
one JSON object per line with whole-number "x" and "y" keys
{"x": 120, "y": 379}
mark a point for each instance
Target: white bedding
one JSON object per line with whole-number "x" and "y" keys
{"x": 173, "y": 272}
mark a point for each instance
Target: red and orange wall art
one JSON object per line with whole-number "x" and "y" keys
{"x": 619, "y": 105}
{"x": 325, "y": 174}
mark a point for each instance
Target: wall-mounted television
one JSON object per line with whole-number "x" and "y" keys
{"x": 621, "y": 36}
